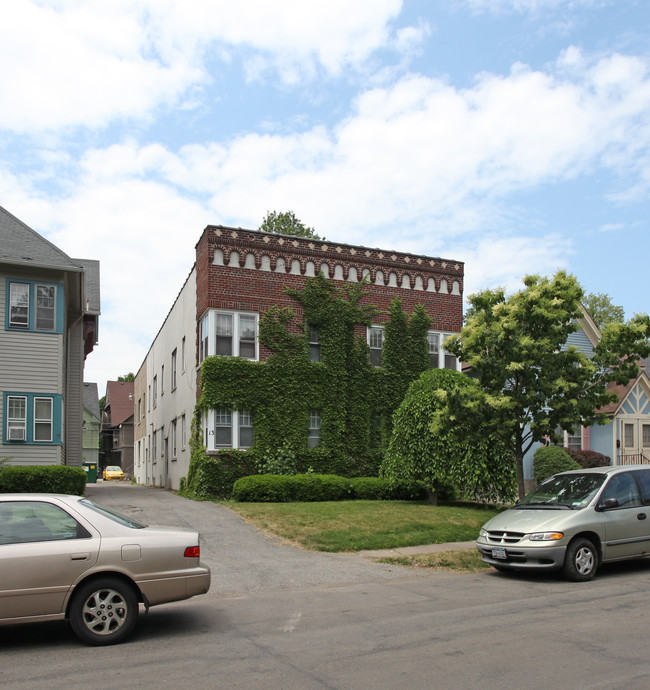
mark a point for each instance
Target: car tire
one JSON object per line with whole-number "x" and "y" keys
{"x": 104, "y": 611}
{"x": 580, "y": 560}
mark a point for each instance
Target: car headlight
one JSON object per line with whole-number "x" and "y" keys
{"x": 483, "y": 533}
{"x": 545, "y": 536}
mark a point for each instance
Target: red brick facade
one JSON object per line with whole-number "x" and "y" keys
{"x": 248, "y": 270}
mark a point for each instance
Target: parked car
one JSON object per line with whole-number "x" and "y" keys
{"x": 113, "y": 472}
{"x": 65, "y": 557}
{"x": 574, "y": 521}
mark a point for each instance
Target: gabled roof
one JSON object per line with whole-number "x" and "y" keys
{"x": 119, "y": 400}
{"x": 623, "y": 391}
{"x": 91, "y": 399}
{"x": 22, "y": 246}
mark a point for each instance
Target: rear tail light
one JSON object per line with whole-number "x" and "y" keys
{"x": 193, "y": 552}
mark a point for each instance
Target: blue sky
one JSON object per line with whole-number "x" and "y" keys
{"x": 513, "y": 135}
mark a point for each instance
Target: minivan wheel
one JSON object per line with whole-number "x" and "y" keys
{"x": 104, "y": 611}
{"x": 580, "y": 560}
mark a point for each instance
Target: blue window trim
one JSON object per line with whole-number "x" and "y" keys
{"x": 31, "y": 327}
{"x": 57, "y": 405}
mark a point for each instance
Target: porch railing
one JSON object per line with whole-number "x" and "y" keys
{"x": 636, "y": 459}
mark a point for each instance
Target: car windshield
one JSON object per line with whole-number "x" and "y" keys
{"x": 565, "y": 491}
{"x": 113, "y": 515}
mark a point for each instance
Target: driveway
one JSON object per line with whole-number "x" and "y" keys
{"x": 243, "y": 559}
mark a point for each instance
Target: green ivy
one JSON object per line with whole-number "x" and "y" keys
{"x": 356, "y": 400}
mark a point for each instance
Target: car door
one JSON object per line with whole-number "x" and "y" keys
{"x": 43, "y": 550}
{"x": 627, "y": 524}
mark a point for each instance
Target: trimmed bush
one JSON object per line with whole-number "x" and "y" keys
{"x": 274, "y": 488}
{"x": 55, "y": 479}
{"x": 549, "y": 460}
{"x": 589, "y": 458}
{"x": 213, "y": 476}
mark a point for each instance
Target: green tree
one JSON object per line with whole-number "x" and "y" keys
{"x": 127, "y": 378}
{"x": 531, "y": 382}
{"x": 459, "y": 454}
{"x": 287, "y": 224}
{"x": 602, "y": 311}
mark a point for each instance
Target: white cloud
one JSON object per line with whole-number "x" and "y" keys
{"x": 70, "y": 63}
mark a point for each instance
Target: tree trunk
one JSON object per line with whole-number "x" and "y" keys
{"x": 432, "y": 497}
{"x": 521, "y": 486}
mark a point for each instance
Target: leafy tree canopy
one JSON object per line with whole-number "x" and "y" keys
{"x": 531, "y": 382}
{"x": 127, "y": 378}
{"x": 287, "y": 224}
{"x": 464, "y": 455}
{"x": 602, "y": 311}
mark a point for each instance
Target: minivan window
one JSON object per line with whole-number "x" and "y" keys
{"x": 643, "y": 477}
{"x": 622, "y": 487}
{"x": 573, "y": 491}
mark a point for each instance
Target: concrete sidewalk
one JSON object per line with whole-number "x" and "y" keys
{"x": 414, "y": 550}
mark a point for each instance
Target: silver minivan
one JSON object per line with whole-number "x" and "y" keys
{"x": 573, "y": 521}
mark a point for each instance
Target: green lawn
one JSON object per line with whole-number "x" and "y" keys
{"x": 360, "y": 525}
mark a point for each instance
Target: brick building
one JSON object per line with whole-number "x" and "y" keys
{"x": 238, "y": 275}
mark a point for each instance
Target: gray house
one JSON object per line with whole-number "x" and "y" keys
{"x": 49, "y": 311}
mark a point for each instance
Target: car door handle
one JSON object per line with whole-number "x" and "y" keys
{"x": 79, "y": 556}
{"x": 640, "y": 516}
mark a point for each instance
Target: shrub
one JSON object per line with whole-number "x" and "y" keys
{"x": 56, "y": 479}
{"x": 213, "y": 476}
{"x": 589, "y": 458}
{"x": 273, "y": 488}
{"x": 549, "y": 460}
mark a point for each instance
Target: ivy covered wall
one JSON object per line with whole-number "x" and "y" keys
{"x": 355, "y": 400}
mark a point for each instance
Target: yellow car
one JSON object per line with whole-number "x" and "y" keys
{"x": 113, "y": 472}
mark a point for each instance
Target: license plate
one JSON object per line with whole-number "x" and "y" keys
{"x": 499, "y": 552}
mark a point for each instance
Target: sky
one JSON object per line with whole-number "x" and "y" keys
{"x": 513, "y": 135}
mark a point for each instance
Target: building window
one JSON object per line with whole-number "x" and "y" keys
{"x": 314, "y": 344}
{"x": 162, "y": 380}
{"x": 154, "y": 446}
{"x": 33, "y": 306}
{"x": 173, "y": 435}
{"x": 226, "y": 428}
{"x": 16, "y": 418}
{"x": 139, "y": 410}
{"x": 155, "y": 391}
{"x": 439, "y": 358}
{"x": 32, "y": 418}
{"x": 116, "y": 439}
{"x": 646, "y": 435}
{"x": 376, "y": 343}
{"x": 228, "y": 334}
{"x": 314, "y": 428}
{"x": 573, "y": 439}
{"x": 173, "y": 373}
{"x": 433, "y": 340}
{"x": 183, "y": 434}
{"x": 628, "y": 435}
{"x": 183, "y": 354}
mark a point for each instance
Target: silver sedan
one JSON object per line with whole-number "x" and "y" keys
{"x": 65, "y": 557}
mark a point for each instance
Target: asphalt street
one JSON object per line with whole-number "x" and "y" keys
{"x": 279, "y": 617}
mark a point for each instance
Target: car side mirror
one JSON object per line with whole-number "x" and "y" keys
{"x": 608, "y": 504}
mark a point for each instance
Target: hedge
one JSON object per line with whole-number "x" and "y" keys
{"x": 589, "y": 458}
{"x": 55, "y": 479}
{"x": 274, "y": 488}
{"x": 549, "y": 460}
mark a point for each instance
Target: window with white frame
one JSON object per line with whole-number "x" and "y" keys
{"x": 314, "y": 428}
{"x": 34, "y": 306}
{"x": 439, "y": 358}
{"x": 376, "y": 344}
{"x": 162, "y": 380}
{"x": 573, "y": 439}
{"x": 155, "y": 391}
{"x": 646, "y": 435}
{"x": 628, "y": 435}
{"x": 183, "y": 431}
{"x": 173, "y": 439}
{"x": 183, "y": 354}
{"x": 16, "y": 406}
{"x": 314, "y": 344}
{"x": 32, "y": 418}
{"x": 225, "y": 428}
{"x": 154, "y": 447}
{"x": 173, "y": 371}
{"x": 228, "y": 333}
